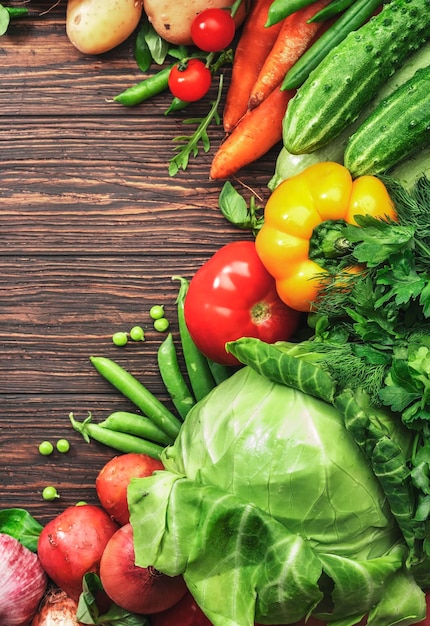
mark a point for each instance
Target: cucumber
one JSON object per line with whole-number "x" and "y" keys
{"x": 350, "y": 75}
{"x": 398, "y": 126}
{"x": 288, "y": 164}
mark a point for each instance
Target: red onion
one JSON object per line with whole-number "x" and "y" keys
{"x": 22, "y": 582}
{"x": 57, "y": 609}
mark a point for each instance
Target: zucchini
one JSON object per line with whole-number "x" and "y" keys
{"x": 288, "y": 164}
{"x": 398, "y": 126}
{"x": 350, "y": 75}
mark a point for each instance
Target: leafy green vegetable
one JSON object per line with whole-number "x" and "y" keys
{"x": 188, "y": 145}
{"x": 21, "y": 525}
{"x": 268, "y": 502}
{"x": 234, "y": 208}
{"x": 88, "y": 612}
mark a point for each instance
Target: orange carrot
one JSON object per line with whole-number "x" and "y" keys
{"x": 254, "y": 44}
{"x": 293, "y": 39}
{"x": 256, "y": 133}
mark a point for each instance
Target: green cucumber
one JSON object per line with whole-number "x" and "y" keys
{"x": 398, "y": 126}
{"x": 288, "y": 164}
{"x": 348, "y": 78}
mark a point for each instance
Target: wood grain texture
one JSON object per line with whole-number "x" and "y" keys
{"x": 92, "y": 230}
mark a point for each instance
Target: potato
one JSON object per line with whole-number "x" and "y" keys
{"x": 96, "y": 26}
{"x": 172, "y": 19}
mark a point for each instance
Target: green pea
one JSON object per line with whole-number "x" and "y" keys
{"x": 137, "y": 334}
{"x": 120, "y": 338}
{"x": 161, "y": 324}
{"x": 156, "y": 312}
{"x": 46, "y": 448}
{"x": 63, "y": 445}
{"x": 50, "y": 493}
{"x": 81, "y": 503}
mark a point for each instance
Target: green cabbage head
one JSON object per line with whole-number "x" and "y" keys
{"x": 271, "y": 512}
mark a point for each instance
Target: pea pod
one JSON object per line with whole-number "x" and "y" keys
{"x": 334, "y": 8}
{"x": 123, "y": 442}
{"x": 199, "y": 373}
{"x": 138, "y": 425}
{"x": 132, "y": 389}
{"x": 280, "y": 9}
{"x": 172, "y": 377}
{"x": 145, "y": 89}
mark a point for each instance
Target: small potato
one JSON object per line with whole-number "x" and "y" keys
{"x": 96, "y": 26}
{"x": 172, "y": 19}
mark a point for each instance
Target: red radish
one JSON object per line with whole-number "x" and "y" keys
{"x": 137, "y": 589}
{"x": 114, "y": 478}
{"x": 186, "y": 613}
{"x": 71, "y": 545}
{"x": 57, "y": 609}
{"x": 23, "y": 582}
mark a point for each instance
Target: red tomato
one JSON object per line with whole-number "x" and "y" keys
{"x": 185, "y": 613}
{"x": 213, "y": 30}
{"x": 231, "y": 296}
{"x": 71, "y": 545}
{"x": 114, "y": 478}
{"x": 190, "y": 81}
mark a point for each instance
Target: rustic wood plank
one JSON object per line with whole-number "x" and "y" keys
{"x": 93, "y": 229}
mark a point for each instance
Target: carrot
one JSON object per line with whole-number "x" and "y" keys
{"x": 256, "y": 133}
{"x": 254, "y": 44}
{"x": 294, "y": 37}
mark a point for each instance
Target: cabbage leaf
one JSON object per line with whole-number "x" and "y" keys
{"x": 270, "y": 510}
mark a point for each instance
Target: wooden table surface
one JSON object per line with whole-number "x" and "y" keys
{"x": 92, "y": 230}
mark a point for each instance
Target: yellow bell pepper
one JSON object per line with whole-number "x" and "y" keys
{"x": 321, "y": 192}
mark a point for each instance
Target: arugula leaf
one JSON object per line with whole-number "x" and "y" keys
{"x": 188, "y": 145}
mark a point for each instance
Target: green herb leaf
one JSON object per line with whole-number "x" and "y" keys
{"x": 235, "y": 209}
{"x": 18, "y": 523}
{"x": 88, "y": 611}
{"x": 188, "y": 145}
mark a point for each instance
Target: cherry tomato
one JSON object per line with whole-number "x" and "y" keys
{"x": 213, "y": 30}
{"x": 231, "y": 296}
{"x": 190, "y": 80}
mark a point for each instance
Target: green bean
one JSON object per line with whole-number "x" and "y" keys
{"x": 122, "y": 442}
{"x": 280, "y": 9}
{"x": 220, "y": 372}
{"x": 173, "y": 379}
{"x": 134, "y": 424}
{"x": 144, "y": 90}
{"x": 132, "y": 389}
{"x": 330, "y": 10}
{"x": 199, "y": 373}
{"x": 17, "y": 11}
{"x": 354, "y": 17}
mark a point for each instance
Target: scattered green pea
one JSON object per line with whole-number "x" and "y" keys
{"x": 156, "y": 312}
{"x": 81, "y": 503}
{"x": 137, "y": 333}
{"x": 120, "y": 338}
{"x": 46, "y": 448}
{"x": 161, "y": 324}
{"x": 50, "y": 493}
{"x": 63, "y": 445}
